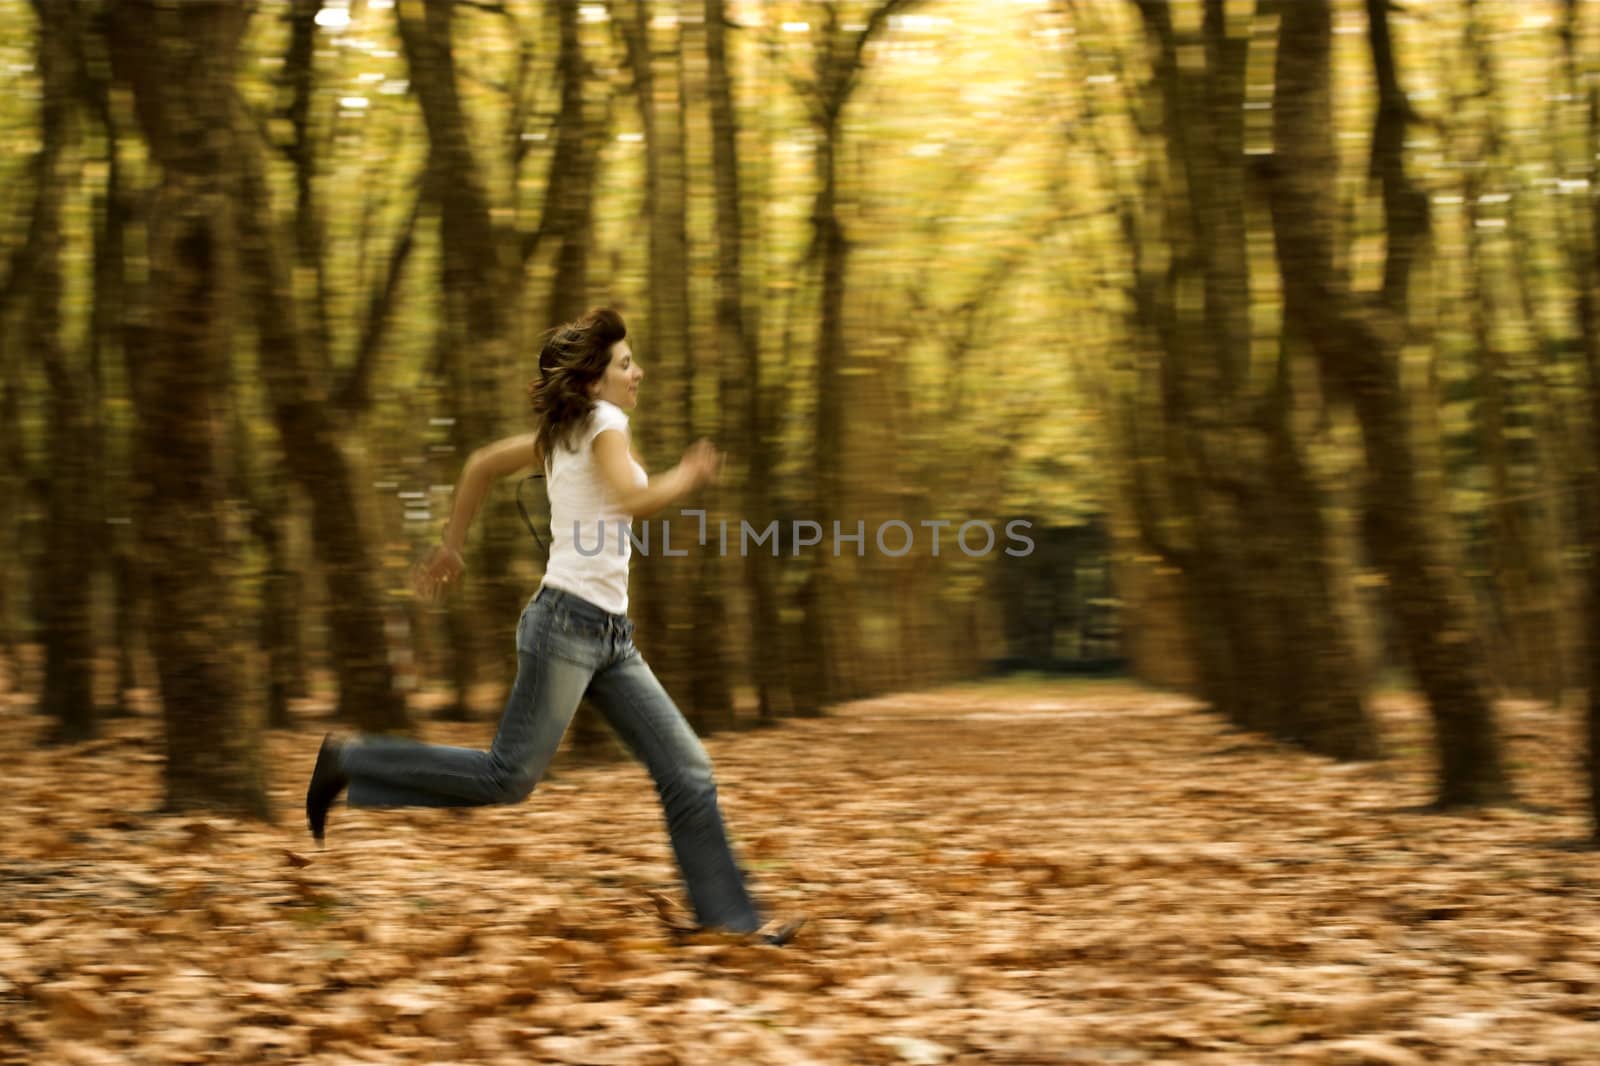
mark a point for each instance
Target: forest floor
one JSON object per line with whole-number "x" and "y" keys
{"x": 1013, "y": 872}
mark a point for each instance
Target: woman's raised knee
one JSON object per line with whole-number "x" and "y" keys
{"x": 514, "y": 787}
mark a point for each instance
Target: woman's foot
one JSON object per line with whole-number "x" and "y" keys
{"x": 327, "y": 781}
{"x": 776, "y": 933}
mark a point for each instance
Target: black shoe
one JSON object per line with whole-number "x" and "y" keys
{"x": 327, "y": 781}
{"x": 681, "y": 925}
{"x": 779, "y": 933}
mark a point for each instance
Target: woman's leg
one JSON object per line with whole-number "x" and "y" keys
{"x": 647, "y": 720}
{"x": 394, "y": 772}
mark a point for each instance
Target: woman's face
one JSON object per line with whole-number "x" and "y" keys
{"x": 620, "y": 383}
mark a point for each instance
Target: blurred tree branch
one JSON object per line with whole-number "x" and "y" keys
{"x": 354, "y": 396}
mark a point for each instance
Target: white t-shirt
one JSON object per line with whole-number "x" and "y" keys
{"x": 589, "y": 545}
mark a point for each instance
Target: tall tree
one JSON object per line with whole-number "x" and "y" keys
{"x": 308, "y": 429}
{"x": 1517, "y": 425}
{"x": 114, "y": 215}
{"x": 739, "y": 353}
{"x": 710, "y": 690}
{"x": 181, "y": 62}
{"x": 1357, "y": 347}
{"x": 347, "y": 385}
{"x": 1581, "y": 245}
{"x": 66, "y": 588}
{"x": 1255, "y": 557}
{"x": 568, "y": 215}
{"x": 299, "y": 74}
{"x": 664, "y": 344}
{"x": 839, "y": 61}
{"x": 478, "y": 275}
{"x": 567, "y": 220}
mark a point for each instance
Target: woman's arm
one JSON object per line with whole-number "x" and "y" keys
{"x": 484, "y": 467}
{"x": 700, "y": 464}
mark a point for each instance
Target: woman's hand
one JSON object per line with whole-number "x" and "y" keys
{"x": 434, "y": 575}
{"x": 701, "y": 464}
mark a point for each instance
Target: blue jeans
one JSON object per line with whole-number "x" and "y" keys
{"x": 568, "y": 648}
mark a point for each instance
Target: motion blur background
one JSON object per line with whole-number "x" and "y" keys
{"x": 1278, "y": 321}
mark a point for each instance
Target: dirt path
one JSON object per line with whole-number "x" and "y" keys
{"x": 1009, "y": 873}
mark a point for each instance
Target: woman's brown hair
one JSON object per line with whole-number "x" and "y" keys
{"x": 574, "y": 356}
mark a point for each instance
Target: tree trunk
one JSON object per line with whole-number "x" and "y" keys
{"x": 1359, "y": 356}
{"x": 299, "y": 69}
{"x": 69, "y": 558}
{"x": 710, "y": 689}
{"x": 277, "y": 613}
{"x": 181, "y": 63}
{"x": 1212, "y": 453}
{"x": 664, "y": 582}
{"x": 652, "y": 602}
{"x": 1583, "y": 258}
{"x": 1512, "y": 654}
{"x": 306, "y": 428}
{"x": 824, "y": 628}
{"x": 477, "y": 282}
{"x": 1271, "y": 652}
{"x": 1322, "y": 679}
{"x": 669, "y": 337}
{"x": 13, "y": 482}
{"x": 1525, "y": 537}
{"x": 568, "y": 214}
{"x": 820, "y": 653}
{"x": 739, "y": 352}
{"x": 280, "y": 609}
{"x": 113, "y": 214}
{"x": 568, "y": 220}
